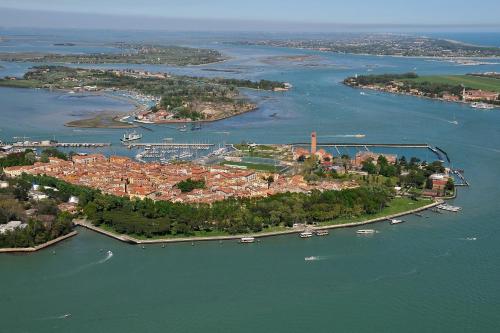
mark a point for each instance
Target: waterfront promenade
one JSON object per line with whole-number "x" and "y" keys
{"x": 38, "y": 247}
{"x": 132, "y": 240}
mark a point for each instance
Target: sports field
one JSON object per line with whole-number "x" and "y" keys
{"x": 469, "y": 81}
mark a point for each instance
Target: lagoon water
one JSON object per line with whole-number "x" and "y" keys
{"x": 435, "y": 274}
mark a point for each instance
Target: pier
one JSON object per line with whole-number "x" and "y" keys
{"x": 29, "y": 144}
{"x": 366, "y": 145}
{"x": 172, "y": 145}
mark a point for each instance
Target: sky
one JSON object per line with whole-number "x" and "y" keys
{"x": 315, "y": 13}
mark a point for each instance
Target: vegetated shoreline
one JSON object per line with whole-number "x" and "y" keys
{"x": 132, "y": 240}
{"x": 38, "y": 247}
{"x": 438, "y": 99}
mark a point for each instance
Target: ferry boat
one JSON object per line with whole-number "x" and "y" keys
{"x": 395, "y": 221}
{"x": 305, "y": 234}
{"x": 321, "y": 232}
{"x": 131, "y": 136}
{"x": 483, "y": 106}
{"x": 365, "y": 231}
{"x": 449, "y": 208}
{"x": 247, "y": 240}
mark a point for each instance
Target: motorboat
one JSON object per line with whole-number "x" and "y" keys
{"x": 247, "y": 240}
{"x": 365, "y": 231}
{"x": 306, "y": 234}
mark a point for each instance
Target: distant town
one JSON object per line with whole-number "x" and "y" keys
{"x": 383, "y": 44}
{"x": 481, "y": 90}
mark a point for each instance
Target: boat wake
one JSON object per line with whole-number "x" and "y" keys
{"x": 109, "y": 255}
{"x": 315, "y": 258}
{"x": 445, "y": 254}
{"x": 77, "y": 270}
{"x": 395, "y": 276}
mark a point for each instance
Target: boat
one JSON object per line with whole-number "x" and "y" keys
{"x": 449, "y": 208}
{"x": 182, "y": 128}
{"x": 365, "y": 231}
{"x": 483, "y": 106}
{"x": 395, "y": 221}
{"x": 247, "y": 240}
{"x": 311, "y": 258}
{"x": 274, "y": 115}
{"x": 305, "y": 234}
{"x": 321, "y": 232}
{"x": 131, "y": 136}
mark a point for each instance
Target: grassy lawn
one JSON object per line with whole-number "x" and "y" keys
{"x": 20, "y": 83}
{"x": 398, "y": 205}
{"x": 254, "y": 166}
{"x": 469, "y": 81}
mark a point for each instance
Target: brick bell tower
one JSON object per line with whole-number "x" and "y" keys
{"x": 313, "y": 143}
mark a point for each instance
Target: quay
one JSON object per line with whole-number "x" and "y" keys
{"x": 363, "y": 145}
{"x": 60, "y": 144}
{"x": 131, "y": 240}
{"x": 38, "y": 247}
{"x": 172, "y": 145}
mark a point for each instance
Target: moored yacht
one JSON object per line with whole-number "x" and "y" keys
{"x": 322, "y": 232}
{"x": 131, "y": 136}
{"x": 305, "y": 234}
{"x": 247, "y": 240}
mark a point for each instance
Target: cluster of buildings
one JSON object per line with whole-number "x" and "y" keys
{"x": 340, "y": 166}
{"x": 121, "y": 176}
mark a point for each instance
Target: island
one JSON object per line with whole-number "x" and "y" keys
{"x": 126, "y": 54}
{"x": 152, "y": 202}
{"x": 160, "y": 97}
{"x": 481, "y": 90}
{"x": 382, "y": 44}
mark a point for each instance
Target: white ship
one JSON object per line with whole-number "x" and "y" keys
{"x": 131, "y": 136}
{"x": 395, "y": 221}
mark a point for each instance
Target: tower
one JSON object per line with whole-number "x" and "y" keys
{"x": 313, "y": 143}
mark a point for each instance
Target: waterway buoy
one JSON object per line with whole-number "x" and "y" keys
{"x": 143, "y": 247}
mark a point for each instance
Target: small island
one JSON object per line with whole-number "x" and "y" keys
{"x": 128, "y": 54}
{"x": 156, "y": 202}
{"x": 160, "y": 97}
{"x": 480, "y": 90}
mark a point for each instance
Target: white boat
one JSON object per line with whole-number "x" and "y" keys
{"x": 305, "y": 234}
{"x": 131, "y": 136}
{"x": 484, "y": 106}
{"x": 395, "y": 221}
{"x": 449, "y": 208}
{"x": 365, "y": 231}
{"x": 247, "y": 240}
{"x": 321, "y": 232}
{"x": 311, "y": 258}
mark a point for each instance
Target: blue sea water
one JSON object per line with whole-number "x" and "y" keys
{"x": 436, "y": 274}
